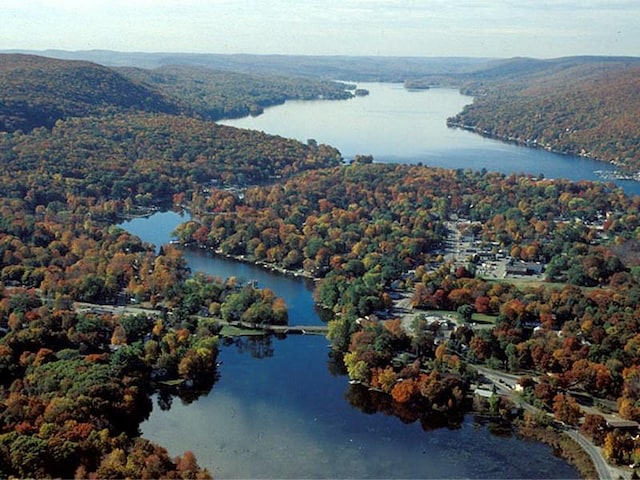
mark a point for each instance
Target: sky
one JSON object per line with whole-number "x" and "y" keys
{"x": 433, "y": 28}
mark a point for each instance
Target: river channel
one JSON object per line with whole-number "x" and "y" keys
{"x": 280, "y": 409}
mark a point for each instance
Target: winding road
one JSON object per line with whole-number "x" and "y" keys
{"x": 605, "y": 471}
{"x": 505, "y": 384}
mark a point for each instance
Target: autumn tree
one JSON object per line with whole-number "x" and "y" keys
{"x": 566, "y": 409}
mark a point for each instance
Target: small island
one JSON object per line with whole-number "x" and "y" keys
{"x": 417, "y": 84}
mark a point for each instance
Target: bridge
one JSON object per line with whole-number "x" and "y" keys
{"x": 285, "y": 329}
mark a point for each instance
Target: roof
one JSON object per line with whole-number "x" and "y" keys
{"x": 481, "y": 392}
{"x": 621, "y": 423}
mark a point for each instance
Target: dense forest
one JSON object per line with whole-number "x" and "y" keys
{"x": 93, "y": 321}
{"x": 369, "y": 230}
{"x": 38, "y": 91}
{"x": 218, "y": 94}
{"x": 145, "y": 157}
{"x": 352, "y": 212}
{"x": 590, "y": 109}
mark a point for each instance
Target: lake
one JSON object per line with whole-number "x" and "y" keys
{"x": 401, "y": 126}
{"x": 281, "y": 410}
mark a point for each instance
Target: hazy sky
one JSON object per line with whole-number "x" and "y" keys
{"x": 494, "y": 28}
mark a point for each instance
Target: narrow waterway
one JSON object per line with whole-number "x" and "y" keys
{"x": 281, "y": 409}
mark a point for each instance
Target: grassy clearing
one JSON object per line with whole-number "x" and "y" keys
{"x": 437, "y": 313}
{"x": 173, "y": 383}
{"x": 484, "y": 319}
{"x": 231, "y": 331}
{"x": 479, "y": 318}
{"x": 522, "y": 283}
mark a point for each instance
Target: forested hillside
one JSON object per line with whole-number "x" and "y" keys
{"x": 146, "y": 157}
{"x": 38, "y": 91}
{"x": 76, "y": 379}
{"x": 589, "y": 108}
{"x": 218, "y": 94}
{"x": 343, "y": 67}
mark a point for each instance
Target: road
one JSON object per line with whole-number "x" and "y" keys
{"x": 508, "y": 379}
{"x": 292, "y": 329}
{"x": 605, "y": 471}
{"x": 505, "y": 384}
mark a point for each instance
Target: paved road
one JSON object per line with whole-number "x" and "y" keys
{"x": 505, "y": 382}
{"x": 605, "y": 471}
{"x": 508, "y": 379}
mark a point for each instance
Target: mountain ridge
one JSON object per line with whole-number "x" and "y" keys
{"x": 38, "y": 91}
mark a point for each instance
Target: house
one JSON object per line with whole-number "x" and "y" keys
{"x": 524, "y": 268}
{"x": 622, "y": 424}
{"x": 483, "y": 392}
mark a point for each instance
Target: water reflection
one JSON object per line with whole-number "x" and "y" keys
{"x": 166, "y": 392}
{"x": 371, "y": 401}
{"x": 281, "y": 407}
{"x": 258, "y": 346}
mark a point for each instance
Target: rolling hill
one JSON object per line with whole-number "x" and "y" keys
{"x": 588, "y": 106}
{"x": 38, "y": 91}
{"x": 216, "y": 94}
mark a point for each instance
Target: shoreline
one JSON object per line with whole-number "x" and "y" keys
{"x": 569, "y": 449}
{"x": 566, "y": 447}
{"x": 272, "y": 267}
{"x": 623, "y": 174}
{"x": 562, "y": 445}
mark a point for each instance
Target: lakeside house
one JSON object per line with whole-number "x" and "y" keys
{"x": 616, "y": 423}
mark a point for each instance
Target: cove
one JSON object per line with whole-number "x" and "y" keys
{"x": 401, "y": 126}
{"x": 281, "y": 409}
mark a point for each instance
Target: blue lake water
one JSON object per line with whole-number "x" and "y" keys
{"x": 279, "y": 410}
{"x": 297, "y": 292}
{"x": 401, "y": 126}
